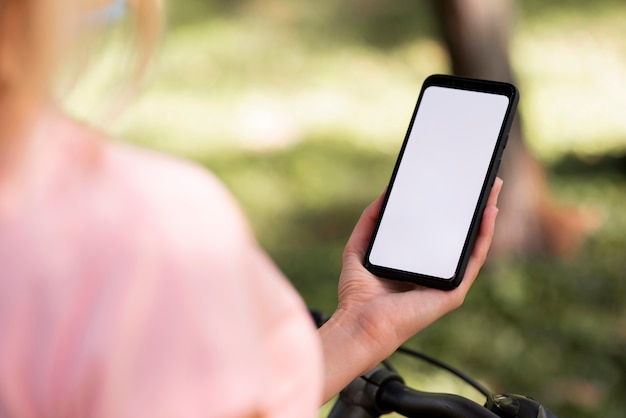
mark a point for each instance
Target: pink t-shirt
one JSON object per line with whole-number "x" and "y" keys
{"x": 131, "y": 286}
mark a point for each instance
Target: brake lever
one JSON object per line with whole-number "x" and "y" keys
{"x": 509, "y": 405}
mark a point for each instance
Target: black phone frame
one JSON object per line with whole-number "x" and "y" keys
{"x": 464, "y": 83}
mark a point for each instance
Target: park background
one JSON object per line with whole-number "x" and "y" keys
{"x": 300, "y": 107}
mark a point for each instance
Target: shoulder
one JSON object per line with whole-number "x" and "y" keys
{"x": 166, "y": 176}
{"x": 179, "y": 194}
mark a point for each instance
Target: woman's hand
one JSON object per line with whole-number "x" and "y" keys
{"x": 375, "y": 316}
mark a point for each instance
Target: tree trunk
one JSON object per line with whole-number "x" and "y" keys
{"x": 477, "y": 33}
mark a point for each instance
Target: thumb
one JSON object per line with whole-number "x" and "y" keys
{"x": 362, "y": 232}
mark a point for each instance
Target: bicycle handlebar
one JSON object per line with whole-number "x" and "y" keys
{"x": 410, "y": 402}
{"x": 382, "y": 391}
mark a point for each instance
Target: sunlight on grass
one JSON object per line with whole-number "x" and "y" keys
{"x": 238, "y": 88}
{"x": 573, "y": 80}
{"x": 245, "y": 84}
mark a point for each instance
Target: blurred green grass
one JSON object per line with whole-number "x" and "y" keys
{"x": 300, "y": 108}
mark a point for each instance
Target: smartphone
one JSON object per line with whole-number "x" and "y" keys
{"x": 441, "y": 181}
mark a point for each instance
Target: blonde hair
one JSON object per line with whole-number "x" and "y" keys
{"x": 33, "y": 34}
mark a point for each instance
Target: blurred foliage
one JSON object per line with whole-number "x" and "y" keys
{"x": 375, "y": 22}
{"x": 304, "y": 202}
{"x": 300, "y": 107}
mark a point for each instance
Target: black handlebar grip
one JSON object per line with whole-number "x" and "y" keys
{"x": 411, "y": 403}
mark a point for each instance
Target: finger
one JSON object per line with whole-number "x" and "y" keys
{"x": 495, "y": 192}
{"x": 481, "y": 247}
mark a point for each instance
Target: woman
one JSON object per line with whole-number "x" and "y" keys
{"x": 130, "y": 283}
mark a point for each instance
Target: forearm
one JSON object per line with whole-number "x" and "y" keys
{"x": 348, "y": 350}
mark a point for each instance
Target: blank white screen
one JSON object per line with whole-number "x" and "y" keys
{"x": 438, "y": 183}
